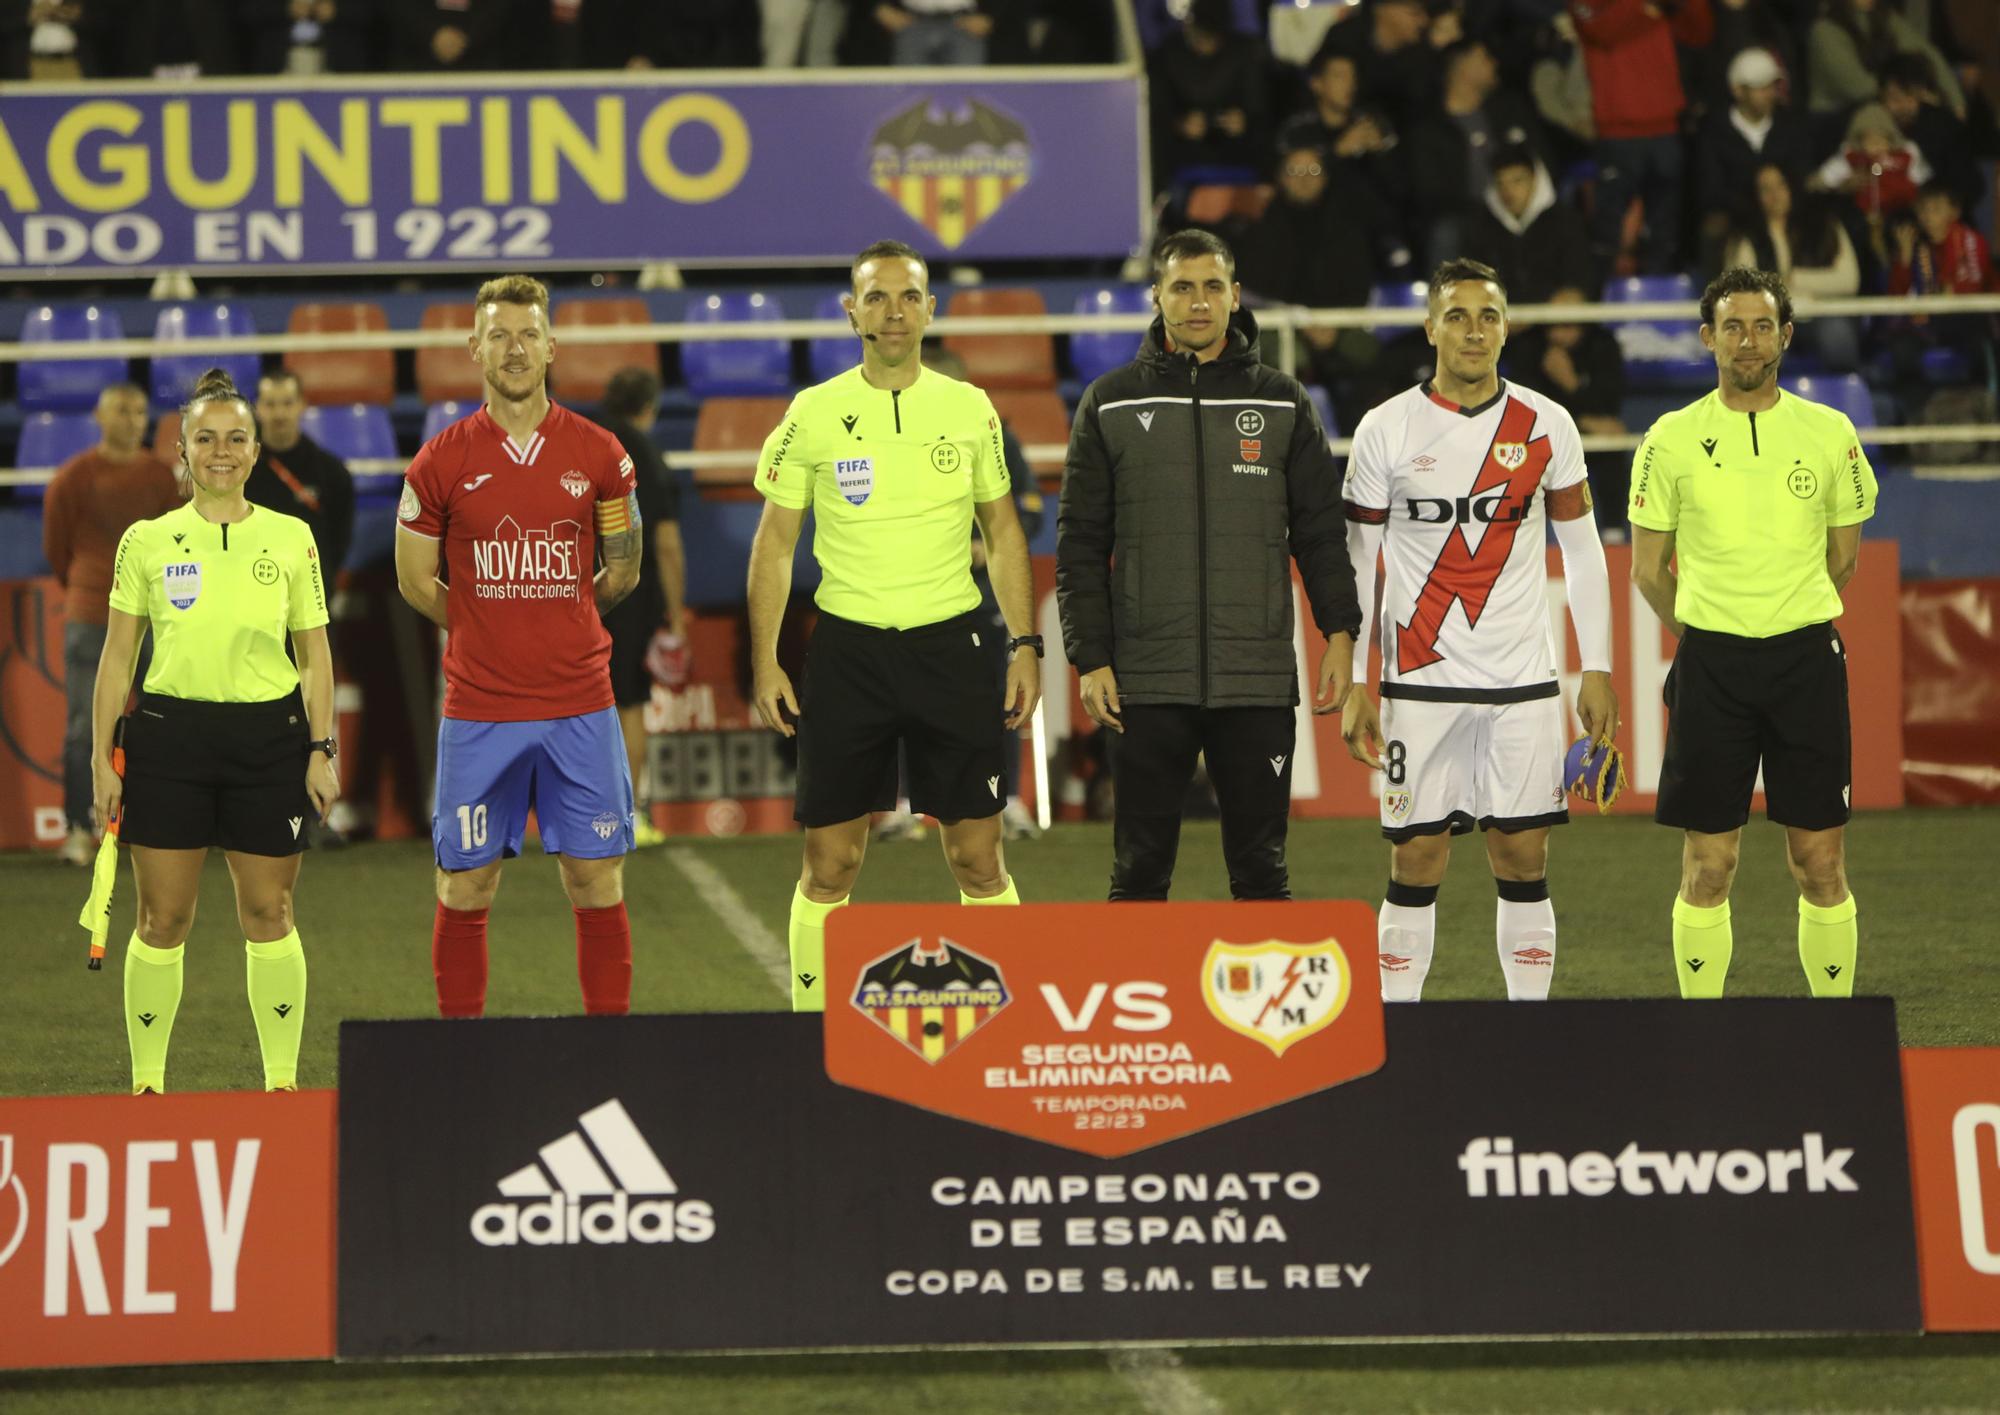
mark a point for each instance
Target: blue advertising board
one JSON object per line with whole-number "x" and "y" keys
{"x": 540, "y": 171}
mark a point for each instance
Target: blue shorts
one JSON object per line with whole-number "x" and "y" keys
{"x": 571, "y": 771}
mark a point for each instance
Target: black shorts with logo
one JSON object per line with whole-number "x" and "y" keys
{"x": 1733, "y": 703}
{"x": 929, "y": 689}
{"x": 231, "y": 774}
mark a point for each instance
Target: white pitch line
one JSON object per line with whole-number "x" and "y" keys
{"x": 765, "y": 948}
{"x": 1162, "y": 1383}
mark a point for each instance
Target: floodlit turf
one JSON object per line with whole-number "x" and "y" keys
{"x": 1924, "y": 881}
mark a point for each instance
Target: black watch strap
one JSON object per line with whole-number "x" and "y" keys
{"x": 324, "y": 744}
{"x": 1030, "y": 641}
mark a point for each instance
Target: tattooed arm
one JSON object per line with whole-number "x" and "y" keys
{"x": 620, "y": 536}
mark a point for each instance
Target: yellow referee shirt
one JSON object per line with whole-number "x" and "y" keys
{"x": 1749, "y": 498}
{"x": 220, "y": 600}
{"x": 891, "y": 477}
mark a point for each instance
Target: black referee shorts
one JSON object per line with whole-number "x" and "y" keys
{"x": 199, "y": 774}
{"x": 929, "y": 689}
{"x": 1734, "y": 703}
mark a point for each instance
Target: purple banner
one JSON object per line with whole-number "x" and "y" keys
{"x": 518, "y": 173}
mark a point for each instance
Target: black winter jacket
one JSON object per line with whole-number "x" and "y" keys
{"x": 1189, "y": 489}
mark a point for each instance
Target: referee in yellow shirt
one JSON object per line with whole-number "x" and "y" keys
{"x": 1746, "y": 511}
{"x": 230, "y": 744}
{"x": 895, "y": 461}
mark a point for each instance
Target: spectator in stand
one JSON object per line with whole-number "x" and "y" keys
{"x": 1582, "y": 368}
{"x": 1159, "y": 20}
{"x": 1805, "y": 245}
{"x": 1208, "y": 96}
{"x": 297, "y": 476}
{"x": 1879, "y": 167}
{"x": 800, "y": 33}
{"x": 1757, "y": 130}
{"x": 306, "y": 37}
{"x": 94, "y": 497}
{"x": 1910, "y": 93}
{"x": 1559, "y": 82}
{"x": 1452, "y": 151}
{"x": 1851, "y": 42}
{"x": 1538, "y": 243}
{"x": 1938, "y": 254}
{"x": 1311, "y": 247}
{"x": 1742, "y": 25}
{"x": 1363, "y": 156}
{"x": 1629, "y": 48}
{"x": 1395, "y": 55}
{"x": 456, "y": 36}
{"x": 51, "y": 41}
{"x": 925, "y": 32}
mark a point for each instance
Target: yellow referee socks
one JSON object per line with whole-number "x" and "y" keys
{"x": 277, "y": 981}
{"x": 152, "y": 997}
{"x": 1702, "y": 945}
{"x": 807, "y": 936}
{"x": 1009, "y": 895}
{"x": 1828, "y": 941}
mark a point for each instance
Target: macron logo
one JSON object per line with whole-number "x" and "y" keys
{"x": 1493, "y": 1169}
{"x": 607, "y": 1162}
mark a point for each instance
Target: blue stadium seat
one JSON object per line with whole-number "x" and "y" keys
{"x": 832, "y": 356}
{"x": 440, "y": 416}
{"x": 351, "y": 431}
{"x": 736, "y": 368}
{"x": 1095, "y": 354}
{"x": 174, "y": 375}
{"x": 1398, "y": 295}
{"x": 1665, "y": 349}
{"x": 49, "y": 440}
{"x": 1847, "y": 392}
{"x": 1321, "y": 401}
{"x": 68, "y": 385}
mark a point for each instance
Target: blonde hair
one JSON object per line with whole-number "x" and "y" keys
{"x": 513, "y": 290}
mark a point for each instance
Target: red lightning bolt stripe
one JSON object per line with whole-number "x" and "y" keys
{"x": 1466, "y": 576}
{"x": 1291, "y": 977}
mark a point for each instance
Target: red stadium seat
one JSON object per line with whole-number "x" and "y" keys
{"x": 342, "y": 375}
{"x": 1221, "y": 206}
{"x": 448, "y": 374}
{"x": 1003, "y": 360}
{"x": 1035, "y": 415}
{"x": 734, "y": 425}
{"x": 583, "y": 370}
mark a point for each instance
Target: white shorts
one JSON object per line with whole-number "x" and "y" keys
{"x": 1451, "y": 766}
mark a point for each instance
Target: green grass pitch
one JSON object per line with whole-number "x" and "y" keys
{"x": 1924, "y": 881}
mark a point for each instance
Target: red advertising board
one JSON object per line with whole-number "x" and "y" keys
{"x": 147, "y": 1230}
{"x": 1106, "y": 1028}
{"x": 1952, "y": 1097}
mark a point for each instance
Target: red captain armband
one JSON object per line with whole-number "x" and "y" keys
{"x": 614, "y": 517}
{"x": 1367, "y": 515}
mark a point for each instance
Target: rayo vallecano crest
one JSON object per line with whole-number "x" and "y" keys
{"x": 1279, "y": 993}
{"x": 1510, "y": 455}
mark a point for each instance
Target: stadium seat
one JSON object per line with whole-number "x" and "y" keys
{"x": 440, "y": 416}
{"x": 174, "y": 375}
{"x": 736, "y": 368}
{"x": 351, "y": 431}
{"x": 1218, "y": 206}
{"x": 582, "y": 371}
{"x": 1093, "y": 355}
{"x": 342, "y": 375}
{"x": 447, "y": 373}
{"x": 68, "y": 385}
{"x": 1664, "y": 348}
{"x": 734, "y": 425}
{"x": 1035, "y": 415}
{"x": 1321, "y": 401}
{"x": 50, "y": 439}
{"x": 1847, "y": 392}
{"x": 831, "y": 357}
{"x": 1003, "y": 360}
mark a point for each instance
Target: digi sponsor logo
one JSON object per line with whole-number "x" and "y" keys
{"x": 600, "y": 1183}
{"x": 931, "y": 996}
{"x": 1495, "y": 1169}
{"x": 517, "y": 564}
{"x": 1278, "y": 993}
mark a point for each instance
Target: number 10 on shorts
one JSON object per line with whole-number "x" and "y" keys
{"x": 471, "y": 827}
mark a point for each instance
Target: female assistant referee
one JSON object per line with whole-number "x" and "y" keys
{"x": 230, "y": 744}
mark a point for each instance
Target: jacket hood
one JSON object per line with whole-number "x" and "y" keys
{"x": 1543, "y": 198}
{"x": 1242, "y": 342}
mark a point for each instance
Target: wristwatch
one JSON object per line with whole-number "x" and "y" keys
{"x": 324, "y": 744}
{"x": 1027, "y": 641}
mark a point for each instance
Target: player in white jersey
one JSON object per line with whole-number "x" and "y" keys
{"x": 1452, "y": 483}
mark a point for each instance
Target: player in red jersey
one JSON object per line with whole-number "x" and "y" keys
{"x": 516, "y": 501}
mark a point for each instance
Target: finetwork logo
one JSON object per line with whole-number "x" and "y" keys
{"x": 604, "y": 1156}
{"x": 1493, "y": 1169}
{"x": 9, "y": 1180}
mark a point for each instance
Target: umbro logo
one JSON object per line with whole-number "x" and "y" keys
{"x": 993, "y": 785}
{"x": 1146, "y": 420}
{"x": 849, "y": 421}
{"x": 808, "y": 979}
{"x": 1392, "y": 962}
{"x": 146, "y": 1019}
{"x": 297, "y": 821}
{"x": 1277, "y": 766}
{"x": 1708, "y": 446}
{"x": 1694, "y": 964}
{"x": 283, "y": 1009}
{"x": 599, "y": 1183}
{"x": 479, "y": 481}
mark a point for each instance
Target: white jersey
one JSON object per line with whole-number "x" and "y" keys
{"x": 1464, "y": 612}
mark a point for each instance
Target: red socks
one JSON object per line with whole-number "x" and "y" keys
{"x": 458, "y": 958}
{"x": 604, "y": 960}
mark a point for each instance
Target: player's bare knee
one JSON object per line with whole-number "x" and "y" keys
{"x": 265, "y": 919}
{"x": 978, "y": 868}
{"x": 468, "y": 889}
{"x": 1708, "y": 868}
{"x": 593, "y": 884}
{"x": 1420, "y": 860}
{"x": 831, "y": 867}
{"x": 1820, "y": 868}
{"x": 164, "y": 925}
{"x": 1523, "y": 855}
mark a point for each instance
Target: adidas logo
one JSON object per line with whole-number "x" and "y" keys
{"x": 605, "y": 1155}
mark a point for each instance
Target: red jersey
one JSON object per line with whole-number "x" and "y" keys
{"x": 519, "y": 528}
